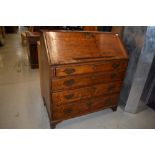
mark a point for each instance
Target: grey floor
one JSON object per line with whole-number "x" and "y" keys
{"x": 21, "y": 105}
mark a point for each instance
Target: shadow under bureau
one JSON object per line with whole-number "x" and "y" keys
{"x": 80, "y": 72}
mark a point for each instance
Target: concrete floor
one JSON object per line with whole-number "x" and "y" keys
{"x": 21, "y": 105}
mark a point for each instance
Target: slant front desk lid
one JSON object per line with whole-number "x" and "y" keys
{"x": 65, "y": 47}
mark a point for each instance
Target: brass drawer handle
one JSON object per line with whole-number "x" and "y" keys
{"x": 69, "y": 70}
{"x": 70, "y": 96}
{"x": 67, "y": 111}
{"x": 115, "y": 65}
{"x": 69, "y": 82}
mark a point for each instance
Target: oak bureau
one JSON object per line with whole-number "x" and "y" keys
{"x": 80, "y": 72}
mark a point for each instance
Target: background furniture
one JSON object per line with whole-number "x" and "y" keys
{"x": 32, "y": 38}
{"x": 11, "y": 29}
{"x": 23, "y": 35}
{"x": 2, "y": 35}
{"x": 80, "y": 72}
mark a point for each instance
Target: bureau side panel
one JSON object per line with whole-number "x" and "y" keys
{"x": 45, "y": 74}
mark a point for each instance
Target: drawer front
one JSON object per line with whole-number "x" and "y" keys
{"x": 63, "y": 97}
{"x": 118, "y": 65}
{"x": 85, "y": 80}
{"x": 83, "y": 107}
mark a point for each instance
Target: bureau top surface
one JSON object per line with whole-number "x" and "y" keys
{"x": 66, "y": 47}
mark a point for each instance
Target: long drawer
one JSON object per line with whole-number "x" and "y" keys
{"x": 85, "y": 80}
{"x": 84, "y": 106}
{"x": 105, "y": 66}
{"x": 66, "y": 96}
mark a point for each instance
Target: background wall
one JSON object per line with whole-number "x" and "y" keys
{"x": 133, "y": 38}
{"x": 140, "y": 44}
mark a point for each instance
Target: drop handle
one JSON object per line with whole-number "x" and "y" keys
{"x": 67, "y": 111}
{"x": 69, "y": 82}
{"x": 115, "y": 65}
{"x": 69, "y": 70}
{"x": 70, "y": 96}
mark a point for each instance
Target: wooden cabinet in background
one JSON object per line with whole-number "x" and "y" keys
{"x": 32, "y": 38}
{"x": 2, "y": 35}
{"x": 11, "y": 29}
{"x": 80, "y": 72}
